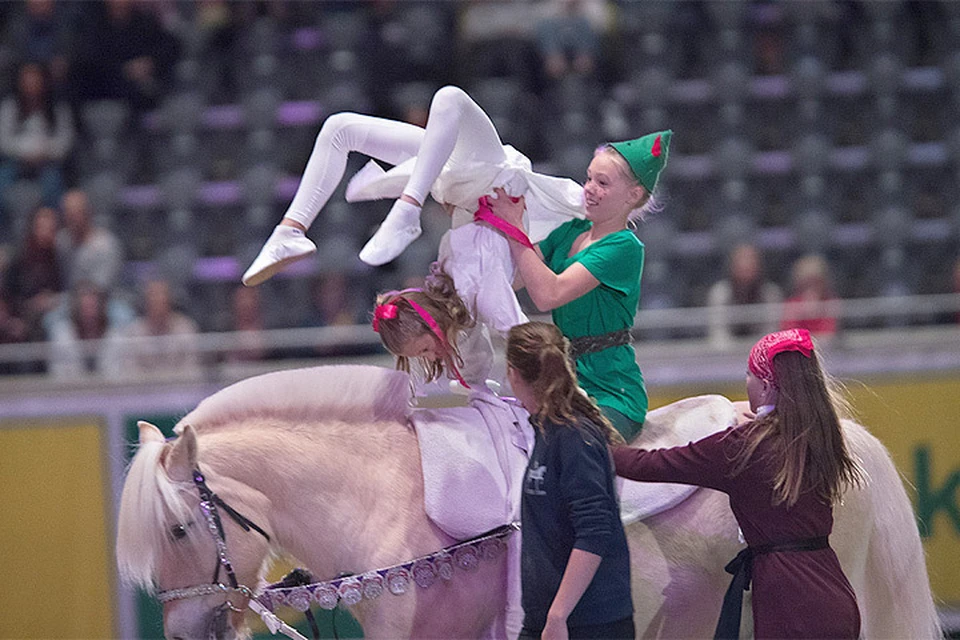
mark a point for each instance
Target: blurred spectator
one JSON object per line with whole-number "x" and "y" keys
{"x": 567, "y": 40}
{"x": 87, "y": 252}
{"x": 39, "y": 31}
{"x": 123, "y": 53}
{"x": 335, "y": 301}
{"x": 12, "y": 330}
{"x": 495, "y": 39}
{"x": 929, "y": 204}
{"x": 769, "y": 52}
{"x": 812, "y": 303}
{"x": 218, "y": 28}
{"x": 406, "y": 42}
{"x": 745, "y": 283}
{"x": 33, "y": 279}
{"x": 956, "y": 285}
{"x": 36, "y": 134}
{"x": 173, "y": 344}
{"x": 331, "y": 302}
{"x": 248, "y": 321}
{"x": 83, "y": 334}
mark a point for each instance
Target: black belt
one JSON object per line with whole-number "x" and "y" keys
{"x": 591, "y": 344}
{"x": 741, "y": 567}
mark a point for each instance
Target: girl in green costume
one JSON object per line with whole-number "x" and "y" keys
{"x": 587, "y": 273}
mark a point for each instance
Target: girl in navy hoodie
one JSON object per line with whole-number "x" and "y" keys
{"x": 575, "y": 569}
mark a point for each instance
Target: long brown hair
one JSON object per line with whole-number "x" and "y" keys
{"x": 808, "y": 452}
{"x": 440, "y": 299}
{"x": 540, "y": 354}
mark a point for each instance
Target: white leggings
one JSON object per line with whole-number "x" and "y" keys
{"x": 457, "y": 131}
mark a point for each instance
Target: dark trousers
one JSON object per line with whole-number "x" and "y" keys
{"x": 619, "y": 630}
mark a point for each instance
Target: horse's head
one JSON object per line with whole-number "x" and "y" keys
{"x": 181, "y": 534}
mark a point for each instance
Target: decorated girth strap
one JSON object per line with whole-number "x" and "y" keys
{"x": 728, "y": 627}
{"x": 423, "y": 571}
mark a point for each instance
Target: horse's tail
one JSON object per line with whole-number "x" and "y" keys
{"x": 895, "y": 597}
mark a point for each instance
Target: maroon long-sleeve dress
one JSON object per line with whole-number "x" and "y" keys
{"x": 796, "y": 594}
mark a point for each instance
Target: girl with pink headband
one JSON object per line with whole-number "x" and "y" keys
{"x": 426, "y": 324}
{"x": 784, "y": 470}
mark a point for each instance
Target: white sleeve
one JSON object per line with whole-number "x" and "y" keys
{"x": 479, "y": 261}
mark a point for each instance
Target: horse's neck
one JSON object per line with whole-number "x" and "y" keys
{"x": 340, "y": 498}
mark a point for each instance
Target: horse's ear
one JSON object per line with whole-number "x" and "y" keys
{"x": 149, "y": 433}
{"x": 182, "y": 459}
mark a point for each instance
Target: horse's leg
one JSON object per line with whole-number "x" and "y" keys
{"x": 677, "y": 559}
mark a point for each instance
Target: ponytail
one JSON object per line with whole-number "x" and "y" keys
{"x": 541, "y": 355}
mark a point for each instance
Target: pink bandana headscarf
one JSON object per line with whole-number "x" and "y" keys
{"x": 761, "y": 356}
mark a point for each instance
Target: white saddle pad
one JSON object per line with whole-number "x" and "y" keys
{"x": 674, "y": 425}
{"x": 473, "y": 460}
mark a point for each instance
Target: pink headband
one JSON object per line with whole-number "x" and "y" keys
{"x": 761, "y": 356}
{"x": 389, "y": 311}
{"x": 386, "y": 311}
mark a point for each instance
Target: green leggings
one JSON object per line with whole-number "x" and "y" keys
{"x": 628, "y": 428}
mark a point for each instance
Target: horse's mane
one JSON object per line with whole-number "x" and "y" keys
{"x": 149, "y": 501}
{"x": 349, "y": 393}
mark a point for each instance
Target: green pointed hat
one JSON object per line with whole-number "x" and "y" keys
{"x": 647, "y": 156}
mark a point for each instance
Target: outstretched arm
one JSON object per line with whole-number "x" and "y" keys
{"x": 547, "y": 289}
{"x": 704, "y": 463}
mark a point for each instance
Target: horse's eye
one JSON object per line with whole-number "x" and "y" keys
{"x": 178, "y": 531}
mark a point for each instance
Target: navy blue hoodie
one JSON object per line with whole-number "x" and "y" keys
{"x": 569, "y": 502}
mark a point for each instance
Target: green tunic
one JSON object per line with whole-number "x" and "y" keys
{"x": 612, "y": 376}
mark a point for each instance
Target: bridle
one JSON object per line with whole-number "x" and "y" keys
{"x": 209, "y": 503}
{"x": 422, "y": 571}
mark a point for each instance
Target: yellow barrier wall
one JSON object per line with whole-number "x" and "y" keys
{"x": 53, "y": 531}
{"x": 918, "y": 422}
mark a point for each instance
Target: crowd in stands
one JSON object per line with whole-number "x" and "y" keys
{"x": 147, "y": 147}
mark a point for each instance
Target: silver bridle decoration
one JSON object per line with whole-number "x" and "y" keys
{"x": 211, "y": 515}
{"x": 201, "y": 590}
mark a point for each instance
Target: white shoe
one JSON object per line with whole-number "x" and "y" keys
{"x": 285, "y": 245}
{"x": 369, "y": 173}
{"x": 401, "y": 227}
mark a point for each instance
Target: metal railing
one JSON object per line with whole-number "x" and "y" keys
{"x": 903, "y": 322}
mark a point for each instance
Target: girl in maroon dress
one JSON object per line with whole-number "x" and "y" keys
{"x": 783, "y": 470}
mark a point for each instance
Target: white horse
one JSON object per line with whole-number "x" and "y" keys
{"x": 327, "y": 464}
